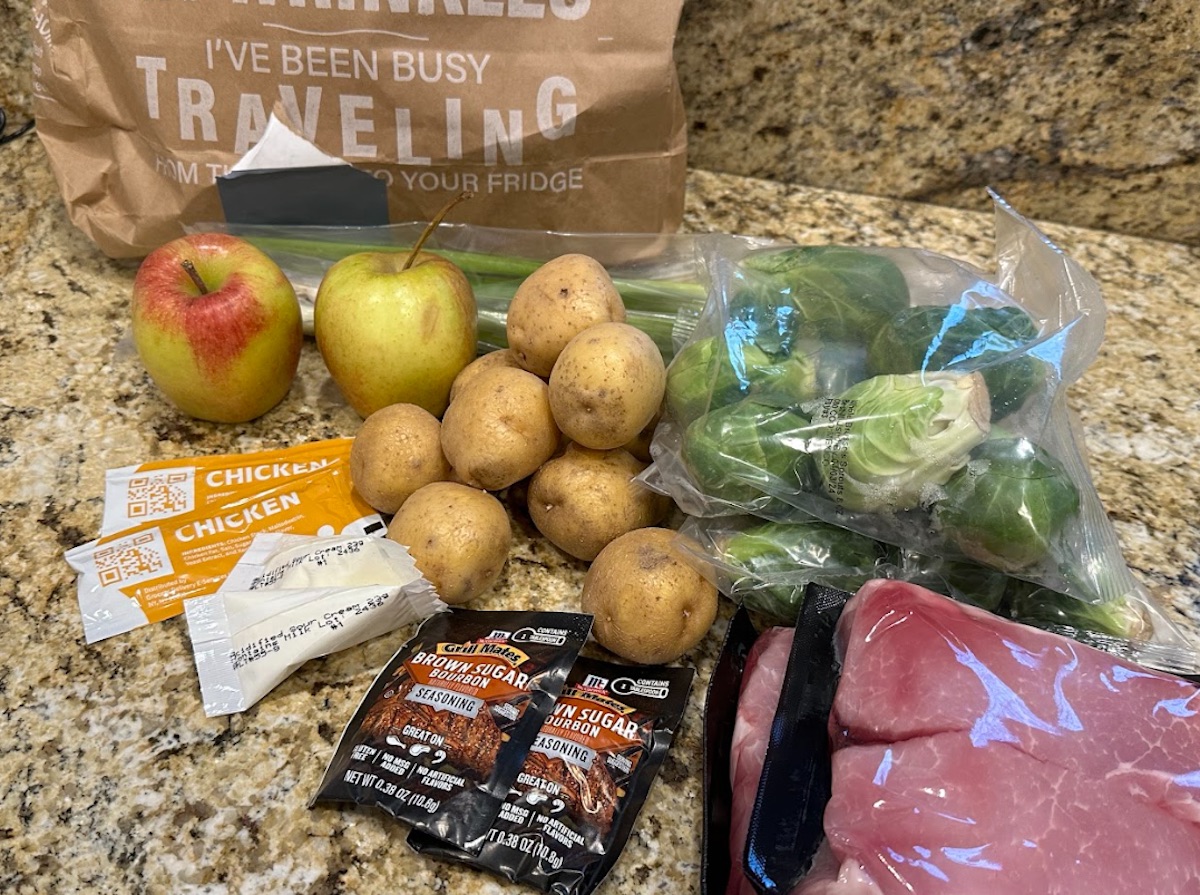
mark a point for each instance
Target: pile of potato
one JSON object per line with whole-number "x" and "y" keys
{"x": 566, "y": 411}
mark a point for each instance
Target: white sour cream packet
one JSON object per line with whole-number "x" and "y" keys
{"x": 292, "y": 598}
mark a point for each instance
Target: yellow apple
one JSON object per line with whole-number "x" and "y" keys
{"x": 393, "y": 332}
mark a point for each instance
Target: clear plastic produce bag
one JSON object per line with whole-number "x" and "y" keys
{"x": 660, "y": 276}
{"x": 766, "y": 565}
{"x": 913, "y": 400}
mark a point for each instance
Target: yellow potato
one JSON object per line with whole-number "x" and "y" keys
{"x": 650, "y": 602}
{"x": 396, "y": 451}
{"x": 499, "y": 428}
{"x": 555, "y": 303}
{"x": 458, "y": 536}
{"x": 501, "y": 358}
{"x": 607, "y": 385}
{"x": 639, "y": 445}
{"x": 583, "y": 499}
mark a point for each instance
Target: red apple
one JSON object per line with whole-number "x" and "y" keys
{"x": 217, "y": 325}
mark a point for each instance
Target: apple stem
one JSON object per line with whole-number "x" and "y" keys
{"x": 190, "y": 268}
{"x": 433, "y": 225}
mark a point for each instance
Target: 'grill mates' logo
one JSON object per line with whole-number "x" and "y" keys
{"x": 486, "y": 647}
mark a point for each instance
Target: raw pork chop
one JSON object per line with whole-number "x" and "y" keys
{"x": 766, "y": 664}
{"x": 976, "y": 755}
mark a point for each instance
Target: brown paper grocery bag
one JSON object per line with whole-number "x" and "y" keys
{"x": 558, "y": 114}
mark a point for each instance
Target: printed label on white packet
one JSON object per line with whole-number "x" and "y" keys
{"x": 292, "y": 598}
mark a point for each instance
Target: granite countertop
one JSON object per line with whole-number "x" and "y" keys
{"x": 115, "y": 781}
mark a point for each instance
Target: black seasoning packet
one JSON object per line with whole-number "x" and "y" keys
{"x": 443, "y": 731}
{"x": 586, "y": 777}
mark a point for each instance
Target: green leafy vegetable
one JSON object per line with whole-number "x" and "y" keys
{"x": 1008, "y": 505}
{"x": 965, "y": 581}
{"x": 710, "y": 373}
{"x": 1047, "y": 608}
{"x": 990, "y": 340}
{"x": 833, "y": 292}
{"x": 761, "y": 313}
{"x": 734, "y": 452}
{"x": 884, "y": 441}
{"x": 778, "y": 559}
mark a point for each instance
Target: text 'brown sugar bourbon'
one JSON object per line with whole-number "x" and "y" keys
{"x": 444, "y": 730}
{"x": 575, "y": 800}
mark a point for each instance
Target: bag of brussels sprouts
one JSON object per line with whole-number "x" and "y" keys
{"x": 912, "y": 400}
{"x": 765, "y": 565}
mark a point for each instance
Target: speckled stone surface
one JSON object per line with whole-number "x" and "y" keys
{"x": 112, "y": 779}
{"x": 1076, "y": 111}
{"x": 1079, "y": 111}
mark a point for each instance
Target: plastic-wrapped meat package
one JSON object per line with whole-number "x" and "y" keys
{"x": 976, "y": 755}
{"x": 758, "y": 699}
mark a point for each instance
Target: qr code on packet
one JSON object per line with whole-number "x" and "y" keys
{"x": 136, "y": 558}
{"x": 152, "y": 496}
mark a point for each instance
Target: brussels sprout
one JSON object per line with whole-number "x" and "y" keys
{"x": 733, "y": 452}
{"x": 836, "y": 293}
{"x": 963, "y": 580}
{"x": 700, "y": 376}
{"x": 1007, "y": 506}
{"x": 791, "y": 379}
{"x": 885, "y": 441}
{"x": 790, "y": 548}
{"x": 764, "y": 315}
{"x": 839, "y": 366}
{"x": 1047, "y": 608}
{"x": 779, "y": 559}
{"x": 960, "y": 338}
{"x": 710, "y": 373}
{"x": 778, "y": 548}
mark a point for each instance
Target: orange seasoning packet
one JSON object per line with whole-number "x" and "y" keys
{"x": 142, "y": 493}
{"x": 142, "y": 574}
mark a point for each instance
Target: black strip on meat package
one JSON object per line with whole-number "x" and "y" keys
{"x": 720, "y": 714}
{"x": 443, "y": 731}
{"x": 781, "y": 844}
{"x": 766, "y": 751}
{"x": 573, "y": 805}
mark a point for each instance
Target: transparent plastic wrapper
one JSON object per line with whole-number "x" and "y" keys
{"x": 913, "y": 400}
{"x": 766, "y": 565}
{"x": 661, "y": 277}
{"x": 1007, "y": 760}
